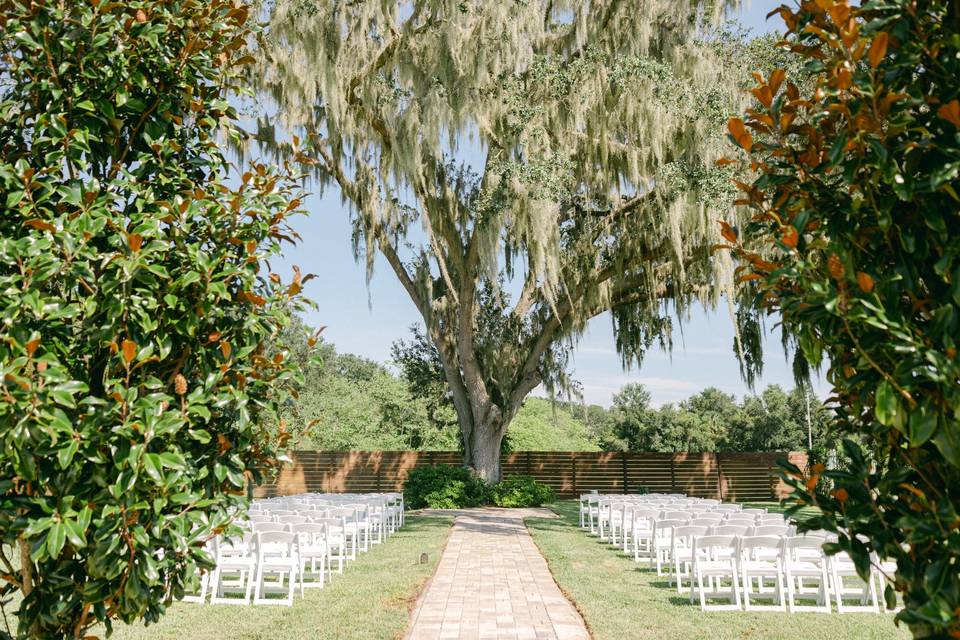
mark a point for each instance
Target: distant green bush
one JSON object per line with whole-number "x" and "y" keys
{"x": 521, "y": 491}
{"x": 444, "y": 487}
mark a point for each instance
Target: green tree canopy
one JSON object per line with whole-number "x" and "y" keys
{"x": 561, "y": 151}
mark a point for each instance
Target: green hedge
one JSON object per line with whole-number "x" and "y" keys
{"x": 444, "y": 487}
{"x": 521, "y": 491}
{"x": 447, "y": 487}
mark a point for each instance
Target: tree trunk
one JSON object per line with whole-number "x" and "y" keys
{"x": 485, "y": 450}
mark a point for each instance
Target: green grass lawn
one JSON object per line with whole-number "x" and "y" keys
{"x": 371, "y": 600}
{"x": 620, "y": 600}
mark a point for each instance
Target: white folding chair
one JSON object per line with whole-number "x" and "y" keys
{"x": 584, "y": 509}
{"x": 265, "y": 527}
{"x": 202, "y": 576}
{"x": 759, "y": 557}
{"x": 348, "y": 515}
{"x": 727, "y": 508}
{"x": 277, "y": 555}
{"x": 803, "y": 559}
{"x": 593, "y": 511}
{"x": 728, "y": 530}
{"x": 846, "y": 583}
{"x": 260, "y": 517}
{"x": 641, "y": 533}
{"x": 336, "y": 540}
{"x": 769, "y": 530}
{"x": 714, "y": 562}
{"x": 681, "y": 551}
{"x": 662, "y": 539}
{"x": 312, "y": 542}
{"x": 235, "y": 570}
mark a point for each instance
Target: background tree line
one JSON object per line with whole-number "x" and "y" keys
{"x": 349, "y": 402}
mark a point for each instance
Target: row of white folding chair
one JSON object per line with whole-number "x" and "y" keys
{"x": 370, "y": 518}
{"x": 650, "y": 532}
{"x": 617, "y": 514}
{"x": 359, "y": 523}
{"x": 589, "y": 504}
{"x": 253, "y": 566}
{"x": 317, "y": 545}
{"x": 679, "y": 554}
{"x": 789, "y": 562}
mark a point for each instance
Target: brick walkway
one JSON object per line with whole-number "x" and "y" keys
{"x": 492, "y": 583}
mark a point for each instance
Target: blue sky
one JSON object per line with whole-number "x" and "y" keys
{"x": 365, "y": 320}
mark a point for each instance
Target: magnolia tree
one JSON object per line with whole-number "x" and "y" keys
{"x": 135, "y": 305}
{"x": 521, "y": 168}
{"x": 854, "y": 241}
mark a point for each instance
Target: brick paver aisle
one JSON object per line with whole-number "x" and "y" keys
{"x": 492, "y": 583}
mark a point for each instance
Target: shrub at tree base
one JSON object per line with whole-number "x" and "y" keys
{"x": 855, "y": 240}
{"x": 521, "y": 491}
{"x": 134, "y": 305}
{"x": 444, "y": 487}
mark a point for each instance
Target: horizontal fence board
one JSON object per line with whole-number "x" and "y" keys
{"x": 726, "y": 476}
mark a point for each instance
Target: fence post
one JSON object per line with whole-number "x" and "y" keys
{"x": 716, "y": 457}
{"x": 528, "y": 463}
{"x": 379, "y": 470}
{"x": 673, "y": 473}
{"x": 623, "y": 459}
{"x": 573, "y": 465}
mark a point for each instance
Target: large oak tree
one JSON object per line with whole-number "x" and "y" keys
{"x": 521, "y": 166}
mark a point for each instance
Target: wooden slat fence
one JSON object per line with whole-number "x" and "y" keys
{"x": 727, "y": 476}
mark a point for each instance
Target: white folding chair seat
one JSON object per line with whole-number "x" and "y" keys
{"x": 277, "y": 556}
{"x": 714, "y": 563}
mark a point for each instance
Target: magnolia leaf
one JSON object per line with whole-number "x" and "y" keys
{"x": 878, "y": 49}
{"x": 887, "y": 405}
{"x": 129, "y": 350}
